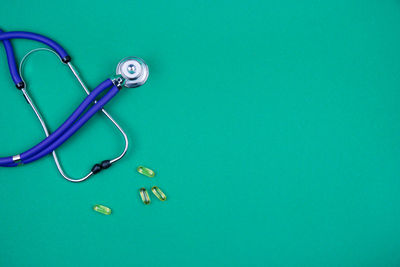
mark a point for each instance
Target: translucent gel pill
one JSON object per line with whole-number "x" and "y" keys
{"x": 158, "y": 193}
{"x": 144, "y": 195}
{"x": 145, "y": 171}
{"x": 102, "y": 209}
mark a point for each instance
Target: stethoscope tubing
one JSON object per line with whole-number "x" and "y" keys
{"x": 69, "y": 122}
{"x": 35, "y": 37}
{"x": 68, "y": 128}
{"x": 76, "y": 126}
{"x": 56, "y": 134}
{"x": 12, "y": 64}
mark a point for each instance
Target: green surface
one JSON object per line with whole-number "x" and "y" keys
{"x": 273, "y": 128}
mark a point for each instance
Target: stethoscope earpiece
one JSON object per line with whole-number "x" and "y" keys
{"x": 134, "y": 70}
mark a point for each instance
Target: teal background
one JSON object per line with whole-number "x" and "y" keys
{"x": 273, "y": 127}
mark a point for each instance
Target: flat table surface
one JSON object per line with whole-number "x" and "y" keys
{"x": 273, "y": 128}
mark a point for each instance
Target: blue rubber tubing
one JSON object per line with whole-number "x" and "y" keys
{"x": 12, "y": 64}
{"x": 74, "y": 128}
{"x": 69, "y": 122}
{"x": 36, "y": 37}
{"x": 7, "y": 162}
{"x": 63, "y": 128}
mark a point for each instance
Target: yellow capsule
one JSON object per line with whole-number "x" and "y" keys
{"x": 102, "y": 209}
{"x": 145, "y": 171}
{"x": 158, "y": 193}
{"x": 144, "y": 195}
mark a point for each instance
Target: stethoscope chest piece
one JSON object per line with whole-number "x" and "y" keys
{"x": 134, "y": 70}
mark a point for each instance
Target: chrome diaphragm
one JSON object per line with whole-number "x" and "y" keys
{"x": 134, "y": 70}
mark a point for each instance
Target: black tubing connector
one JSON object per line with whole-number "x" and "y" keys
{"x": 66, "y": 59}
{"x": 96, "y": 168}
{"x": 20, "y": 85}
{"x": 105, "y": 164}
{"x": 102, "y": 166}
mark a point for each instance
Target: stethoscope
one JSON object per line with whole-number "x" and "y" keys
{"x": 131, "y": 72}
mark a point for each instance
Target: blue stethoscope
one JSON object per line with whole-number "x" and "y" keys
{"x": 131, "y": 72}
